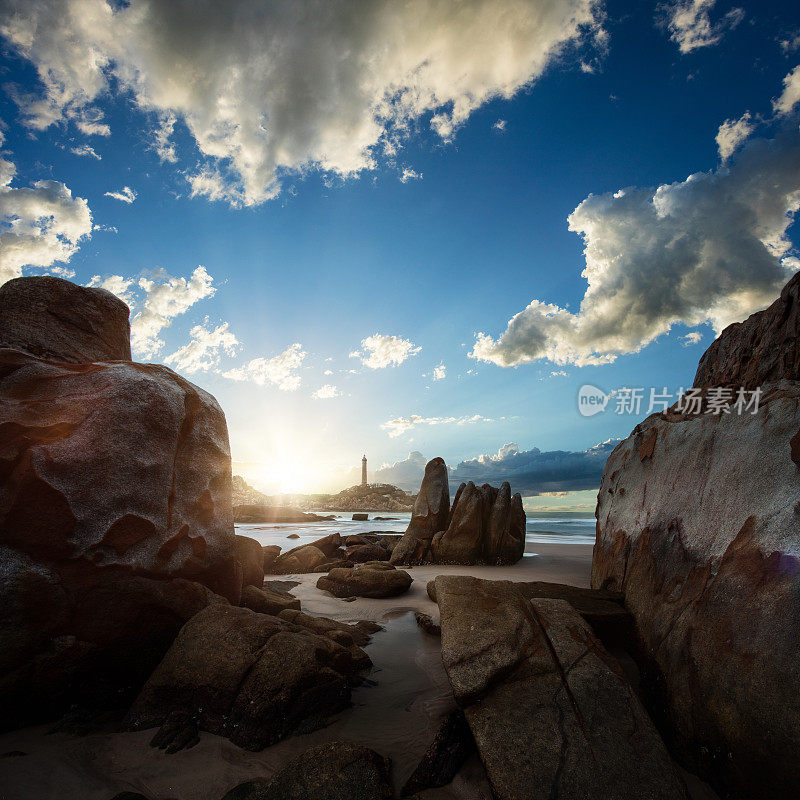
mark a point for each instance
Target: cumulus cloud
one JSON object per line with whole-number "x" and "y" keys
{"x": 85, "y": 150}
{"x": 790, "y": 96}
{"x": 732, "y": 133}
{"x": 537, "y": 471}
{"x": 439, "y": 372}
{"x": 204, "y": 349}
{"x": 165, "y": 297}
{"x": 380, "y": 350}
{"x": 690, "y": 25}
{"x": 116, "y": 284}
{"x": 280, "y": 371}
{"x": 124, "y": 195}
{"x": 695, "y": 337}
{"x": 327, "y": 392}
{"x": 407, "y": 473}
{"x": 400, "y": 425}
{"x": 712, "y": 248}
{"x": 41, "y": 225}
{"x": 266, "y": 89}
{"x": 409, "y": 174}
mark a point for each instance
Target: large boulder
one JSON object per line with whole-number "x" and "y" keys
{"x": 251, "y": 677}
{"x": 250, "y": 555}
{"x": 114, "y": 501}
{"x": 697, "y": 525}
{"x": 267, "y": 601}
{"x": 328, "y": 771}
{"x": 57, "y": 320}
{"x": 373, "y": 579}
{"x": 431, "y": 510}
{"x": 485, "y": 525}
{"x": 551, "y": 711}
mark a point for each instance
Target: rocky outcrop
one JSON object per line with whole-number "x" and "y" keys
{"x": 329, "y": 771}
{"x": 114, "y": 500}
{"x": 251, "y": 677}
{"x": 268, "y": 601}
{"x": 485, "y": 525}
{"x": 700, "y": 531}
{"x": 551, "y": 711}
{"x": 250, "y": 556}
{"x": 372, "y": 497}
{"x": 373, "y": 579}
{"x": 268, "y": 514}
{"x": 56, "y": 320}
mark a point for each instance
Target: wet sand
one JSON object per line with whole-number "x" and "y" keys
{"x": 397, "y": 716}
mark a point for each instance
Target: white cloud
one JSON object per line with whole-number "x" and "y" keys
{"x": 40, "y": 226}
{"x": 690, "y": 26}
{"x": 400, "y": 425}
{"x": 712, "y": 248}
{"x": 204, "y": 349}
{"x": 791, "y": 43}
{"x": 162, "y": 136}
{"x": 267, "y": 89}
{"x": 165, "y": 298}
{"x": 328, "y": 372}
{"x": 125, "y": 195}
{"x": 281, "y": 370}
{"x": 85, "y": 150}
{"x": 439, "y": 372}
{"x": 409, "y": 174}
{"x": 732, "y": 133}
{"x": 559, "y": 374}
{"x": 500, "y": 125}
{"x": 116, "y": 284}
{"x": 694, "y": 337}
{"x": 790, "y": 96}
{"x": 380, "y": 350}
{"x": 327, "y": 392}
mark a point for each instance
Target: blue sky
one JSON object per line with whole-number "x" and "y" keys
{"x": 419, "y": 196}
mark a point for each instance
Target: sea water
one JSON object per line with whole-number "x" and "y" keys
{"x": 547, "y": 527}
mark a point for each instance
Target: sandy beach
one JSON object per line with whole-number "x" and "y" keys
{"x": 396, "y": 712}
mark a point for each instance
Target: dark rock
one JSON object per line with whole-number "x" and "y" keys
{"x": 293, "y": 536}
{"x": 427, "y": 624}
{"x": 367, "y": 552}
{"x": 430, "y": 514}
{"x": 373, "y": 579}
{"x": 251, "y": 677}
{"x": 763, "y": 349}
{"x": 300, "y": 560}
{"x": 57, "y": 320}
{"x": 253, "y": 514}
{"x": 250, "y": 555}
{"x": 451, "y": 746}
{"x": 430, "y": 588}
{"x": 385, "y": 519}
{"x": 330, "y": 771}
{"x": 129, "y": 796}
{"x": 551, "y": 711}
{"x": 179, "y": 731}
{"x": 268, "y": 601}
{"x": 360, "y": 517}
{"x": 271, "y": 553}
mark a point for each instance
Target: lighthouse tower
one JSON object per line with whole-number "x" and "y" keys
{"x": 364, "y": 471}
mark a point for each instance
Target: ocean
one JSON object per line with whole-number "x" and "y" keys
{"x": 546, "y": 527}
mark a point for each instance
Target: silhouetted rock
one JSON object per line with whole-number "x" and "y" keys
{"x": 267, "y": 601}
{"x": 430, "y": 514}
{"x": 373, "y": 579}
{"x": 702, "y": 539}
{"x": 250, "y": 555}
{"x": 300, "y": 560}
{"x": 449, "y": 749}
{"x": 251, "y": 677}
{"x": 271, "y": 553}
{"x": 251, "y": 514}
{"x": 57, "y": 320}
{"x": 551, "y": 711}
{"x": 427, "y": 624}
{"x": 330, "y": 771}
{"x": 360, "y": 517}
{"x": 362, "y": 553}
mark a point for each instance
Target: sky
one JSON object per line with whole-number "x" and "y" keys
{"x": 409, "y": 230}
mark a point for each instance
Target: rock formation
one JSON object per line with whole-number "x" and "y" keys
{"x": 698, "y": 525}
{"x": 373, "y": 579}
{"x": 551, "y": 711}
{"x": 485, "y": 525}
{"x": 115, "y": 512}
{"x": 251, "y": 677}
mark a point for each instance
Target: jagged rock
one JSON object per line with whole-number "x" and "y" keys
{"x": 329, "y": 771}
{"x": 430, "y": 514}
{"x": 449, "y": 749}
{"x": 551, "y": 711}
{"x": 250, "y": 555}
{"x": 271, "y": 553}
{"x": 300, "y": 560}
{"x": 57, "y": 320}
{"x": 251, "y": 677}
{"x": 427, "y": 624}
{"x": 702, "y": 539}
{"x": 267, "y": 601}
{"x": 373, "y": 579}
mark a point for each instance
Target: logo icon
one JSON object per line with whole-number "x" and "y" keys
{"x": 591, "y": 400}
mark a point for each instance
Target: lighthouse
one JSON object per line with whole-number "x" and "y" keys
{"x": 363, "y": 470}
